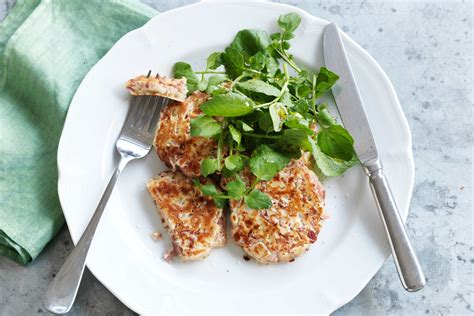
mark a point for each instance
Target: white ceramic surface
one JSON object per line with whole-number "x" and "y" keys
{"x": 351, "y": 246}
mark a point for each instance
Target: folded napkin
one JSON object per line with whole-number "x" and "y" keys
{"x": 46, "y": 48}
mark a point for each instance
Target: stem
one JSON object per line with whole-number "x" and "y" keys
{"x": 221, "y": 196}
{"x": 264, "y": 104}
{"x": 239, "y": 78}
{"x": 210, "y": 72}
{"x": 254, "y": 71}
{"x": 314, "y": 94}
{"x": 282, "y": 91}
{"x": 285, "y": 70}
{"x": 254, "y": 183}
{"x": 261, "y": 136}
{"x": 219, "y": 150}
{"x": 252, "y": 186}
{"x": 287, "y": 59}
{"x": 237, "y": 91}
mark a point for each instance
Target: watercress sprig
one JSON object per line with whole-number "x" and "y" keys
{"x": 262, "y": 115}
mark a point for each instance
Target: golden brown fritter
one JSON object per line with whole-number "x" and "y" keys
{"x": 291, "y": 225}
{"x": 173, "y": 141}
{"x": 174, "y": 89}
{"x": 193, "y": 221}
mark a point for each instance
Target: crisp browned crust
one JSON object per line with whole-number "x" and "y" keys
{"x": 193, "y": 221}
{"x": 173, "y": 141}
{"x": 171, "y": 88}
{"x": 291, "y": 225}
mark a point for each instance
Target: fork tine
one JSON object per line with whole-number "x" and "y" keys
{"x": 153, "y": 121}
{"x": 148, "y": 112}
{"x": 142, "y": 108}
{"x": 133, "y": 109}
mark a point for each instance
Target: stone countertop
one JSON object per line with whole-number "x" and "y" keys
{"x": 427, "y": 51}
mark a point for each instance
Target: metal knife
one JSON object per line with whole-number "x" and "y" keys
{"x": 351, "y": 109}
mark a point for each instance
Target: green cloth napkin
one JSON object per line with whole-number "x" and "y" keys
{"x": 46, "y": 49}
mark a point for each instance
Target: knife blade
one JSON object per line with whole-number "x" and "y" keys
{"x": 353, "y": 115}
{"x": 352, "y": 111}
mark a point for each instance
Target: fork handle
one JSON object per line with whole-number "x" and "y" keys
{"x": 62, "y": 291}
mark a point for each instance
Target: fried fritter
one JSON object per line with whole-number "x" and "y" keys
{"x": 173, "y": 141}
{"x": 287, "y": 229}
{"x": 193, "y": 221}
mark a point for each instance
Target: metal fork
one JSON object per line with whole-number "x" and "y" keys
{"x": 134, "y": 142}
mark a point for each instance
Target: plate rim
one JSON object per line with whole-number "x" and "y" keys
{"x": 407, "y": 137}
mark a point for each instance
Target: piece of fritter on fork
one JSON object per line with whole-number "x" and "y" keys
{"x": 193, "y": 221}
{"x": 174, "y": 89}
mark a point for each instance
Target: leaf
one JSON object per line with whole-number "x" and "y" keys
{"x": 297, "y": 121}
{"x": 220, "y": 202}
{"x": 235, "y": 163}
{"x": 278, "y": 113}
{"x": 301, "y": 106}
{"x": 244, "y": 126}
{"x": 233, "y": 61}
{"x": 275, "y": 36}
{"x": 236, "y": 189}
{"x": 293, "y": 140}
{"x": 287, "y": 36}
{"x": 251, "y": 41}
{"x": 226, "y": 173}
{"x": 324, "y": 116}
{"x": 303, "y": 75}
{"x": 266, "y": 162}
{"x": 184, "y": 70}
{"x": 286, "y": 99}
{"x": 257, "y": 61}
{"x": 202, "y": 85}
{"x": 213, "y": 84}
{"x": 330, "y": 167}
{"x": 265, "y": 122}
{"x": 289, "y": 22}
{"x": 214, "y": 60}
{"x": 209, "y": 190}
{"x": 230, "y": 104}
{"x": 205, "y": 126}
{"x": 259, "y": 86}
{"x": 336, "y": 142}
{"x": 325, "y": 80}
{"x": 235, "y": 133}
{"x": 208, "y": 166}
{"x": 271, "y": 64}
{"x": 240, "y": 147}
{"x": 279, "y": 78}
{"x": 257, "y": 200}
{"x": 302, "y": 91}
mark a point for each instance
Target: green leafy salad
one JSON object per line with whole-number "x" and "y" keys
{"x": 264, "y": 111}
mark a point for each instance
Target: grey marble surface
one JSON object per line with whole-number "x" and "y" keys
{"x": 426, "y": 49}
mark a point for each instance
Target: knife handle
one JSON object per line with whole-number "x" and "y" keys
{"x": 406, "y": 261}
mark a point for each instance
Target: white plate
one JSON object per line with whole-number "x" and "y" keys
{"x": 352, "y": 244}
